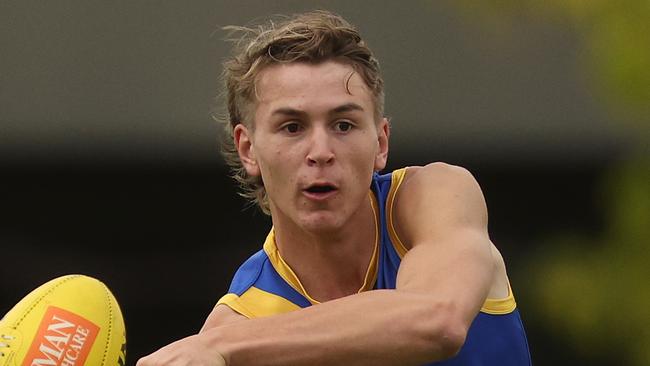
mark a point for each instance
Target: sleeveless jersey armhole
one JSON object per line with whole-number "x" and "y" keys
{"x": 396, "y": 180}
{"x": 232, "y": 301}
{"x": 257, "y": 303}
{"x": 502, "y": 306}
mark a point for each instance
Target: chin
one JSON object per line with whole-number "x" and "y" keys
{"x": 321, "y": 222}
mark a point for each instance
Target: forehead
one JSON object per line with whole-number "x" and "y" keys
{"x": 311, "y": 85}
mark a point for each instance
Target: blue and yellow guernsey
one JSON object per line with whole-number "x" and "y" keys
{"x": 265, "y": 285}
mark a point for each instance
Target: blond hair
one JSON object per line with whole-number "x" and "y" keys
{"x": 312, "y": 37}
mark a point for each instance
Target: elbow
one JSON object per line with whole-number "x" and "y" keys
{"x": 445, "y": 333}
{"x": 449, "y": 339}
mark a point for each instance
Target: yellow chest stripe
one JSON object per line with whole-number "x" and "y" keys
{"x": 256, "y": 303}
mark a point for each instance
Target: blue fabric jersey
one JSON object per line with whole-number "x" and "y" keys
{"x": 265, "y": 285}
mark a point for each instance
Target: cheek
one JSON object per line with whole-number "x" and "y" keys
{"x": 362, "y": 156}
{"x": 363, "y": 153}
{"x": 276, "y": 165}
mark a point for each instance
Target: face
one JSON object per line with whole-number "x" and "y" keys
{"x": 315, "y": 142}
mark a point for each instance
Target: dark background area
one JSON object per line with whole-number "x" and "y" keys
{"x": 110, "y": 166}
{"x": 167, "y": 238}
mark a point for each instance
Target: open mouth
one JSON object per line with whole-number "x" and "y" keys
{"x": 320, "y": 188}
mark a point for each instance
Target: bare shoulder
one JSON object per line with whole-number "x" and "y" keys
{"x": 221, "y": 315}
{"x": 439, "y": 201}
{"x": 443, "y": 191}
{"x": 439, "y": 176}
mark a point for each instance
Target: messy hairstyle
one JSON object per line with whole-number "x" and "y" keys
{"x": 312, "y": 37}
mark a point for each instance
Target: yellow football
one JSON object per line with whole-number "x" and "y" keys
{"x": 71, "y": 320}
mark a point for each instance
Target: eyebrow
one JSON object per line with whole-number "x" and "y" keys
{"x": 348, "y": 107}
{"x": 291, "y": 112}
{"x": 286, "y": 111}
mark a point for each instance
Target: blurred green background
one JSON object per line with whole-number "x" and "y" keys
{"x": 592, "y": 291}
{"x": 107, "y": 147}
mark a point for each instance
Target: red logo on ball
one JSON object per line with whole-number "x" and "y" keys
{"x": 63, "y": 339}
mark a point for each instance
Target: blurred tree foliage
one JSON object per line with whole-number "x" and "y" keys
{"x": 593, "y": 293}
{"x": 615, "y": 37}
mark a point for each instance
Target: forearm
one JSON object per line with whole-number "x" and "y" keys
{"x": 384, "y": 327}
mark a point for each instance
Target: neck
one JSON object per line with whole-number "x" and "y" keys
{"x": 329, "y": 264}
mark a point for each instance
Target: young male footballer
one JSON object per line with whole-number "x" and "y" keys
{"x": 359, "y": 268}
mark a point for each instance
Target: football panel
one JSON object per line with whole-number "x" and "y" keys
{"x": 72, "y": 319}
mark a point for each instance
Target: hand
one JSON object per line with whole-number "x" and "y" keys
{"x": 192, "y": 350}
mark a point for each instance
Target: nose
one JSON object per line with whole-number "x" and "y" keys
{"x": 320, "y": 151}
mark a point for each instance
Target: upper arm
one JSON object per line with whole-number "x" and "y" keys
{"x": 440, "y": 213}
{"x": 221, "y": 315}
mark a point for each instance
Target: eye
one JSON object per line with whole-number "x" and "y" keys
{"x": 291, "y": 127}
{"x": 343, "y": 126}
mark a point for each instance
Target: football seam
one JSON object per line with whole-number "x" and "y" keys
{"x": 109, "y": 331}
{"x": 38, "y": 300}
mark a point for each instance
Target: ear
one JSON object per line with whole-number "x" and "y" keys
{"x": 383, "y": 134}
{"x": 246, "y": 150}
